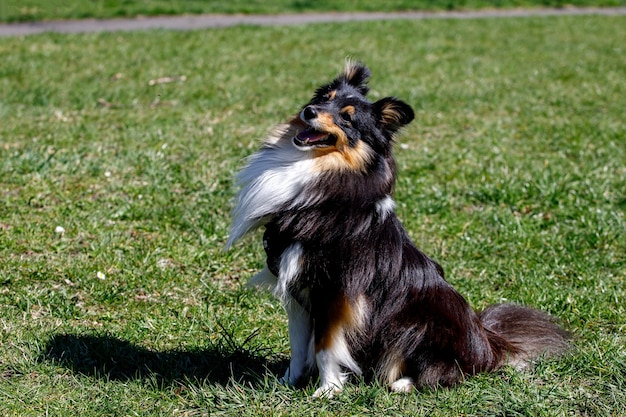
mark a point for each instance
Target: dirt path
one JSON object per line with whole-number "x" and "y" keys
{"x": 190, "y": 22}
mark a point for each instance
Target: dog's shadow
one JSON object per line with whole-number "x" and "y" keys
{"x": 110, "y": 358}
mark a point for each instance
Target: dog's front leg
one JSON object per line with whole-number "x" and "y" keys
{"x": 300, "y": 341}
{"x": 331, "y": 377}
{"x": 332, "y": 351}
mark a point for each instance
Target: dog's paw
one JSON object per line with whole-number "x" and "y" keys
{"x": 328, "y": 391}
{"x": 403, "y": 385}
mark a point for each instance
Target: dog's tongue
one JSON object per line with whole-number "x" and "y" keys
{"x": 311, "y": 135}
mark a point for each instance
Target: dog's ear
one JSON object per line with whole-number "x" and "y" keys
{"x": 392, "y": 114}
{"x": 356, "y": 75}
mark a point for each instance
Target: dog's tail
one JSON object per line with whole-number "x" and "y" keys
{"x": 531, "y": 334}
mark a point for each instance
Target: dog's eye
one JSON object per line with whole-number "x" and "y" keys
{"x": 347, "y": 117}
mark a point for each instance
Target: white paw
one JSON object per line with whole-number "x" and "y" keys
{"x": 327, "y": 391}
{"x": 403, "y": 385}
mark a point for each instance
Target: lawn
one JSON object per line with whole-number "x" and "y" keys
{"x": 28, "y": 10}
{"x": 116, "y": 297}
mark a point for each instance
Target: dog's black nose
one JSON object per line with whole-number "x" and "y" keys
{"x": 309, "y": 113}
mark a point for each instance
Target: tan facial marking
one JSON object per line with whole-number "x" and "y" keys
{"x": 349, "y": 109}
{"x": 340, "y": 156}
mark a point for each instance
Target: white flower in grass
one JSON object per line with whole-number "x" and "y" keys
{"x": 165, "y": 263}
{"x": 100, "y": 275}
{"x": 59, "y": 229}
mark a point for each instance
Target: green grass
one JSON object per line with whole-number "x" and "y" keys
{"x": 512, "y": 176}
{"x": 28, "y": 10}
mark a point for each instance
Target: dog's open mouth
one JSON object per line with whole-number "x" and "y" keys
{"x": 312, "y": 137}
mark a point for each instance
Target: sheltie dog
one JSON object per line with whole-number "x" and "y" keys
{"x": 361, "y": 298}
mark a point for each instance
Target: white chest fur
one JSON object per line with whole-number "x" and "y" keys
{"x": 273, "y": 179}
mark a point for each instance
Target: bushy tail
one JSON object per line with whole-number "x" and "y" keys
{"x": 531, "y": 333}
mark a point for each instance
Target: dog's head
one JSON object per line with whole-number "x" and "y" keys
{"x": 341, "y": 122}
{"x": 338, "y": 149}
